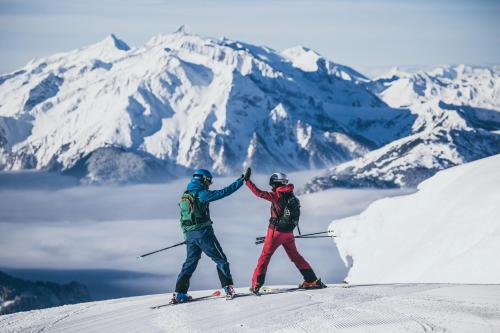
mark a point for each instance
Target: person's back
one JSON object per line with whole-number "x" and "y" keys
{"x": 196, "y": 225}
{"x": 280, "y": 234}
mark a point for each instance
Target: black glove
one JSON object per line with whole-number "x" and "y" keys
{"x": 247, "y": 173}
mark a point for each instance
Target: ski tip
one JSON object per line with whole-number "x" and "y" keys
{"x": 216, "y": 293}
{"x": 138, "y": 257}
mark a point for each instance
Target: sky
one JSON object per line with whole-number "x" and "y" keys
{"x": 364, "y": 34}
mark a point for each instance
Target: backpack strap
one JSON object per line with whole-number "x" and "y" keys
{"x": 282, "y": 202}
{"x": 199, "y": 210}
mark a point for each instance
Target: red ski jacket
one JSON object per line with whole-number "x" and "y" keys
{"x": 273, "y": 196}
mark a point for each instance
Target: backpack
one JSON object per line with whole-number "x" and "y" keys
{"x": 290, "y": 214}
{"x": 193, "y": 211}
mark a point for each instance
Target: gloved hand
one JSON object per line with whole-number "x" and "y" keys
{"x": 246, "y": 175}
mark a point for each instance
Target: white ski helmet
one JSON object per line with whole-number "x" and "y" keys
{"x": 278, "y": 178}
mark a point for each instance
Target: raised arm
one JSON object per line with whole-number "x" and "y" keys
{"x": 261, "y": 194}
{"x": 222, "y": 193}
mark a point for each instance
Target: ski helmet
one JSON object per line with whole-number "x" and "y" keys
{"x": 278, "y": 178}
{"x": 203, "y": 174}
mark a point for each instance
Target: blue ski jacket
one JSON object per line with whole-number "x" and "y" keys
{"x": 199, "y": 189}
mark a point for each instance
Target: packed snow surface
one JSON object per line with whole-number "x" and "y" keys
{"x": 447, "y": 232}
{"x": 375, "y": 308}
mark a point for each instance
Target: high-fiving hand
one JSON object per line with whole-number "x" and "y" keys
{"x": 247, "y": 174}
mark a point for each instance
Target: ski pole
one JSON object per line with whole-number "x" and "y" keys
{"x": 166, "y": 248}
{"x": 314, "y": 233}
{"x": 260, "y": 241}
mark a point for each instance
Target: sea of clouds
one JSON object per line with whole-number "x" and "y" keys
{"x": 53, "y": 229}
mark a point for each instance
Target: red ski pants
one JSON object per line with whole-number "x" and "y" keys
{"x": 270, "y": 245}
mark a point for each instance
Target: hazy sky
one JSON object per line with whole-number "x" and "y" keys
{"x": 359, "y": 33}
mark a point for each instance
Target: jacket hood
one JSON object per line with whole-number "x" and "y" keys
{"x": 196, "y": 185}
{"x": 285, "y": 188}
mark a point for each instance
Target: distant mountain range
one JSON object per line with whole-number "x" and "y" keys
{"x": 21, "y": 295}
{"x": 457, "y": 111}
{"x": 109, "y": 113}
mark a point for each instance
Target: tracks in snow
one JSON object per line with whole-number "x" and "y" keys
{"x": 375, "y": 308}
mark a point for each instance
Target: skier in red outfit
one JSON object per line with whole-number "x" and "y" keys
{"x": 279, "y": 234}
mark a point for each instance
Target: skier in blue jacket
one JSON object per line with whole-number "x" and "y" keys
{"x": 199, "y": 234}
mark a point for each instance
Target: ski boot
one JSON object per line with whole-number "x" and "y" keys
{"x": 255, "y": 290}
{"x": 230, "y": 293}
{"x": 312, "y": 285}
{"x": 180, "y": 298}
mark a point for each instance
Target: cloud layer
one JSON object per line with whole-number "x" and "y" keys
{"x": 107, "y": 227}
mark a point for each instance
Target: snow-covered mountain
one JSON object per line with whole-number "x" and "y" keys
{"x": 457, "y": 85}
{"x": 109, "y": 112}
{"x": 21, "y": 295}
{"x": 447, "y": 232}
{"x": 457, "y": 112}
{"x": 112, "y": 113}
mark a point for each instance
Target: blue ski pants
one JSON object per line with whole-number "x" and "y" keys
{"x": 198, "y": 241}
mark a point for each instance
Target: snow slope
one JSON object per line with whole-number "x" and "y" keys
{"x": 382, "y": 308}
{"x": 447, "y": 232}
{"x": 457, "y": 110}
{"x": 112, "y": 112}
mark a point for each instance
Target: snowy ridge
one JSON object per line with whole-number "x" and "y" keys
{"x": 447, "y": 232}
{"x": 458, "y": 85}
{"x": 457, "y": 112}
{"x": 184, "y": 101}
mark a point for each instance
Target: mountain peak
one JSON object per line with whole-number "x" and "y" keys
{"x": 394, "y": 71}
{"x": 181, "y": 30}
{"x": 116, "y": 42}
{"x": 302, "y": 58}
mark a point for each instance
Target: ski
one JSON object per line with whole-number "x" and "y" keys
{"x": 267, "y": 290}
{"x": 215, "y": 294}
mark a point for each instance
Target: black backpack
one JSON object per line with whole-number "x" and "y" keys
{"x": 290, "y": 214}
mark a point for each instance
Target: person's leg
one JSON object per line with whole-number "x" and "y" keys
{"x": 299, "y": 261}
{"x": 189, "y": 266}
{"x": 211, "y": 247}
{"x": 270, "y": 245}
